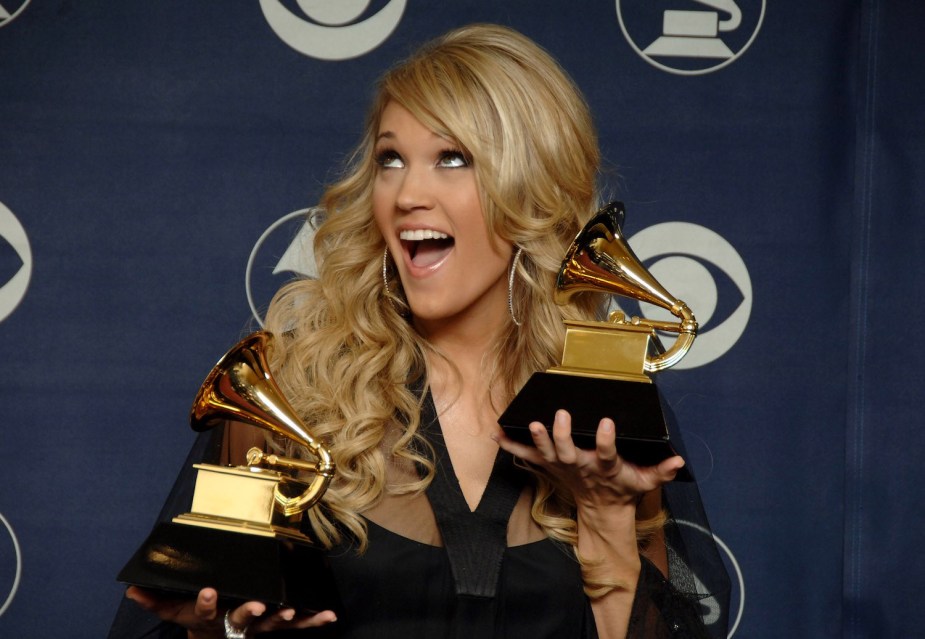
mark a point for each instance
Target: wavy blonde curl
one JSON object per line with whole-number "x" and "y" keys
{"x": 349, "y": 356}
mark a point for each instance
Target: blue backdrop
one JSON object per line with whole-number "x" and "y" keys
{"x": 771, "y": 154}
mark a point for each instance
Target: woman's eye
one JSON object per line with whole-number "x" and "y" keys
{"x": 389, "y": 160}
{"x": 453, "y": 160}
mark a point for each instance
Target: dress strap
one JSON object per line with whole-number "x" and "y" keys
{"x": 475, "y": 541}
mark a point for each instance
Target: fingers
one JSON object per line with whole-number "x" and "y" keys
{"x": 559, "y": 448}
{"x": 605, "y": 441}
{"x": 565, "y": 450}
{"x": 320, "y": 619}
{"x": 668, "y": 468}
{"x": 245, "y": 614}
{"x": 314, "y": 621}
{"x": 286, "y": 618}
{"x": 545, "y": 449}
{"x": 523, "y": 451}
{"x": 542, "y": 443}
{"x": 206, "y": 606}
{"x": 204, "y": 616}
{"x": 142, "y": 597}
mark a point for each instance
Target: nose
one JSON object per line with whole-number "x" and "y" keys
{"x": 415, "y": 190}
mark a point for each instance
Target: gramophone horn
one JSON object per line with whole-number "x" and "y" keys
{"x": 600, "y": 259}
{"x": 240, "y": 388}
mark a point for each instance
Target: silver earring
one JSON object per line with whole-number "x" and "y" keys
{"x": 385, "y": 272}
{"x": 396, "y": 304}
{"x": 510, "y": 286}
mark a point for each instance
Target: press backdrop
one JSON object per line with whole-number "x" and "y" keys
{"x": 770, "y": 154}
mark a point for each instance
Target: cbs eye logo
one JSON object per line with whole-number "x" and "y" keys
{"x": 15, "y": 262}
{"x": 700, "y": 267}
{"x": 10, "y": 575}
{"x": 333, "y": 29}
{"x": 10, "y": 10}
{"x": 283, "y": 250}
{"x": 710, "y": 606}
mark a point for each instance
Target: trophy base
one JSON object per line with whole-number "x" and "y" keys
{"x": 635, "y": 407}
{"x": 183, "y": 559}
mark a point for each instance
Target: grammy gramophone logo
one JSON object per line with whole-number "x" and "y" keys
{"x": 703, "y": 37}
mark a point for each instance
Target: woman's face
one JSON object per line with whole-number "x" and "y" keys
{"x": 427, "y": 207}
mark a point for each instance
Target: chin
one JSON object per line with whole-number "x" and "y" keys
{"x": 429, "y": 312}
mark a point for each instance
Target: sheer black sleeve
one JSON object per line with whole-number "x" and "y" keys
{"x": 131, "y": 621}
{"x": 693, "y": 601}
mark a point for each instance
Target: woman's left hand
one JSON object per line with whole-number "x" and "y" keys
{"x": 607, "y": 490}
{"x": 598, "y": 478}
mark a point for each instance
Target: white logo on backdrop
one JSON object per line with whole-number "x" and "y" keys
{"x": 14, "y": 290}
{"x": 712, "y": 608}
{"x": 298, "y": 257}
{"x": 679, "y": 248}
{"x": 690, "y": 41}
{"x": 17, "y": 557}
{"x": 9, "y": 11}
{"x": 332, "y": 33}
{"x": 682, "y": 248}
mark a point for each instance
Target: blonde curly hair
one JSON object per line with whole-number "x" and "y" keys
{"x": 347, "y": 356}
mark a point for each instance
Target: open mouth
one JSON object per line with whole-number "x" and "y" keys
{"x": 426, "y": 247}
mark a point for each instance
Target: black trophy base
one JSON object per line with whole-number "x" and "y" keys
{"x": 183, "y": 559}
{"x": 635, "y": 407}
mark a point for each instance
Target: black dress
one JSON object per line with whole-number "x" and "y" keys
{"x": 475, "y": 583}
{"x": 435, "y": 568}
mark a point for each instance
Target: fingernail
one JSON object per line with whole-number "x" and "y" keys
{"x": 607, "y": 425}
{"x": 287, "y": 614}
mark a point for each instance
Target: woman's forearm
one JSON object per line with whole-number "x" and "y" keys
{"x": 610, "y": 557}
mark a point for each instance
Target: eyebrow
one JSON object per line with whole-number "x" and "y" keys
{"x": 385, "y": 134}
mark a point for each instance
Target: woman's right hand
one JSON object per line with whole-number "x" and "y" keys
{"x": 204, "y": 620}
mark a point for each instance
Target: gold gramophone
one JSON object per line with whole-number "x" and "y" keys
{"x": 242, "y": 536}
{"x": 605, "y": 366}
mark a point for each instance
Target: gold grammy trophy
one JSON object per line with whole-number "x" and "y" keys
{"x": 606, "y": 365}
{"x": 242, "y": 536}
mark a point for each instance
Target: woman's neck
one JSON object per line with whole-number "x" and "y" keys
{"x": 461, "y": 364}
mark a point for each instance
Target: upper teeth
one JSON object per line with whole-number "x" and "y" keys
{"x": 423, "y": 234}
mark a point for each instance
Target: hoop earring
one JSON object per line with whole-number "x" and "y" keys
{"x": 397, "y": 304}
{"x": 510, "y": 286}
{"x": 385, "y": 272}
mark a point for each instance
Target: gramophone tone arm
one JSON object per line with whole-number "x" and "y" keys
{"x": 323, "y": 469}
{"x": 618, "y": 317}
{"x": 686, "y": 329}
{"x": 255, "y": 457}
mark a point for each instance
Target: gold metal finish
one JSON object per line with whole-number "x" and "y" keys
{"x": 600, "y": 349}
{"x": 598, "y": 260}
{"x": 242, "y": 499}
{"x": 248, "y": 498}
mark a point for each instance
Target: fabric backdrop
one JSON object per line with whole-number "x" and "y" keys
{"x": 153, "y": 156}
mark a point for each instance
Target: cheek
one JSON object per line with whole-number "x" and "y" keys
{"x": 475, "y": 224}
{"x": 489, "y": 247}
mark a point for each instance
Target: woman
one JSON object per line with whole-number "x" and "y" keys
{"x": 432, "y": 308}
